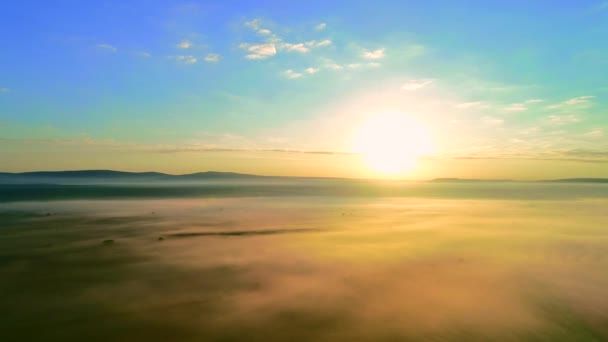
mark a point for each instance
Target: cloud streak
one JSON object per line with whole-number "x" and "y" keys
{"x": 107, "y": 47}
{"x": 259, "y": 51}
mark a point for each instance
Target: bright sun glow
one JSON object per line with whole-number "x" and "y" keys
{"x": 391, "y": 143}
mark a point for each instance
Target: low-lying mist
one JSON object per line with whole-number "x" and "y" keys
{"x": 305, "y": 268}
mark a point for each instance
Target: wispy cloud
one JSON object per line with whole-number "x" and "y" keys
{"x": 318, "y": 43}
{"x": 602, "y": 6}
{"x": 259, "y": 51}
{"x": 311, "y": 70}
{"x": 321, "y": 27}
{"x": 375, "y": 54}
{"x": 184, "y": 44}
{"x": 595, "y": 133}
{"x": 292, "y": 74}
{"x": 107, "y": 47}
{"x": 143, "y": 54}
{"x": 300, "y": 47}
{"x": 255, "y": 25}
{"x": 212, "y": 58}
{"x": 467, "y": 105}
{"x": 563, "y": 119}
{"x": 533, "y": 101}
{"x": 4, "y": 90}
{"x": 516, "y": 107}
{"x": 575, "y": 101}
{"x": 185, "y": 59}
{"x": 416, "y": 84}
{"x": 491, "y": 121}
{"x": 304, "y": 47}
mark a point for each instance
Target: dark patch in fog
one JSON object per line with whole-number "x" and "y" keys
{"x": 245, "y": 232}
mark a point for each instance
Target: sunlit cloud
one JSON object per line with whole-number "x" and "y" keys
{"x": 212, "y": 57}
{"x": 416, "y": 84}
{"x": 107, "y": 47}
{"x": 321, "y": 27}
{"x": 259, "y": 51}
{"x": 311, "y": 70}
{"x": 375, "y": 54}
{"x": 184, "y": 44}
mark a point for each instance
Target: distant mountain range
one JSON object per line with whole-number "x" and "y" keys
{"x": 563, "y": 180}
{"x": 124, "y": 174}
{"x": 102, "y": 176}
{"x": 105, "y": 176}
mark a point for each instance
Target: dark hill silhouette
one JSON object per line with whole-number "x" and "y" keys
{"x": 103, "y": 176}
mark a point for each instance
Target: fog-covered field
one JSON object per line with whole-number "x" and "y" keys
{"x": 530, "y": 266}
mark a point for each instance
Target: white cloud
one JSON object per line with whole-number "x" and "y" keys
{"x": 321, "y": 27}
{"x": 330, "y": 64}
{"x": 491, "y": 121}
{"x": 212, "y": 57}
{"x": 374, "y": 64}
{"x": 259, "y": 51}
{"x": 185, "y": 59}
{"x": 416, "y": 84}
{"x": 578, "y": 100}
{"x": 254, "y": 23}
{"x": 467, "y": 105}
{"x": 144, "y": 54}
{"x": 376, "y": 54}
{"x": 516, "y": 107}
{"x": 292, "y": 74}
{"x": 107, "y": 47}
{"x": 563, "y": 119}
{"x": 4, "y": 90}
{"x": 314, "y": 43}
{"x": 533, "y": 101}
{"x": 184, "y": 44}
{"x": 575, "y": 101}
{"x": 595, "y": 133}
{"x": 300, "y": 47}
{"x": 312, "y": 70}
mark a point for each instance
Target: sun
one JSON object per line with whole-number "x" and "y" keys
{"x": 391, "y": 142}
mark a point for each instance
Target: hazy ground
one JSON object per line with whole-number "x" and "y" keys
{"x": 308, "y": 268}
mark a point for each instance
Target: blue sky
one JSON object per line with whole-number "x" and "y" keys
{"x": 518, "y": 79}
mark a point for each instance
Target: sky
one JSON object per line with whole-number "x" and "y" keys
{"x": 514, "y": 89}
